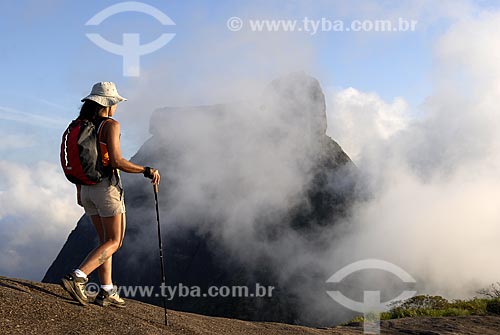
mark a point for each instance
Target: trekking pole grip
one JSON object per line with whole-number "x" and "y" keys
{"x": 155, "y": 188}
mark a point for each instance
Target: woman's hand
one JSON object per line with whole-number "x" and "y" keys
{"x": 152, "y": 174}
{"x": 156, "y": 176}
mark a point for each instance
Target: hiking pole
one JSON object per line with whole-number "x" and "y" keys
{"x": 163, "y": 280}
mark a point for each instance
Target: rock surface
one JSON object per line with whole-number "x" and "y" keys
{"x": 34, "y": 308}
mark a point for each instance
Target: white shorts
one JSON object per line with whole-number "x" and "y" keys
{"x": 105, "y": 198}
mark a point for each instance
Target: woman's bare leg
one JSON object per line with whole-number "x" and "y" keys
{"x": 105, "y": 269}
{"x": 113, "y": 236}
{"x": 124, "y": 227}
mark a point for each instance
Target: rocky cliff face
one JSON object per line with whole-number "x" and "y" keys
{"x": 248, "y": 191}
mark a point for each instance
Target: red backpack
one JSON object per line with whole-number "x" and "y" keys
{"x": 80, "y": 154}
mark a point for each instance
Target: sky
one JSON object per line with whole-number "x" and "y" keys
{"x": 415, "y": 110}
{"x": 48, "y": 64}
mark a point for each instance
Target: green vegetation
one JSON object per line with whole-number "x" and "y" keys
{"x": 437, "y": 306}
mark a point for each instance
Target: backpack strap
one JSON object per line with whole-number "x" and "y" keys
{"x": 114, "y": 172}
{"x": 100, "y": 128}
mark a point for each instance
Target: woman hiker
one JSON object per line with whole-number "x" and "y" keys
{"x": 103, "y": 202}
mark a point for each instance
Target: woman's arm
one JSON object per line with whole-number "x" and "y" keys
{"x": 114, "y": 150}
{"x": 115, "y": 155}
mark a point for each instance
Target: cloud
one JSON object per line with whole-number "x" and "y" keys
{"x": 16, "y": 141}
{"x": 434, "y": 182}
{"x": 10, "y": 114}
{"x": 356, "y": 119}
{"x": 37, "y": 211}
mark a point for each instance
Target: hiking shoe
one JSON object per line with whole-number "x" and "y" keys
{"x": 105, "y": 298}
{"x": 76, "y": 287}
